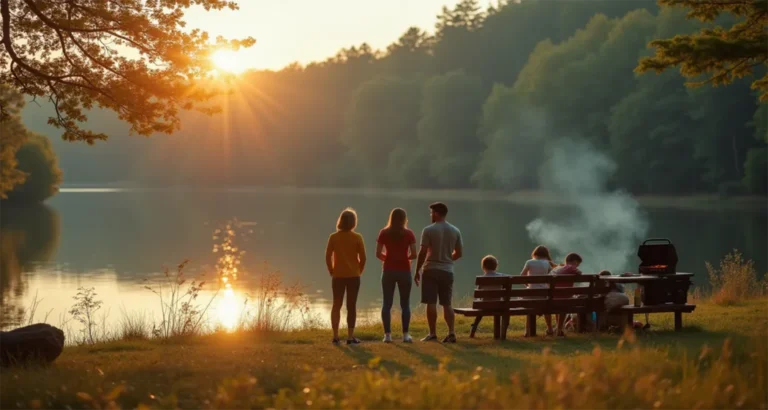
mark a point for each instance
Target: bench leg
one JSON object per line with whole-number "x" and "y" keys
{"x": 530, "y": 326}
{"x": 582, "y": 323}
{"x": 678, "y": 321}
{"x": 504, "y": 326}
{"x": 496, "y": 327}
{"x": 474, "y": 326}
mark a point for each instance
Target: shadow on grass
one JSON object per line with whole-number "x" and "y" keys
{"x": 364, "y": 357}
{"x": 120, "y": 347}
{"x": 425, "y": 358}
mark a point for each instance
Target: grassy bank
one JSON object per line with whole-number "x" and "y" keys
{"x": 718, "y": 361}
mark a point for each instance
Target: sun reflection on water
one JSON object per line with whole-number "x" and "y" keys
{"x": 228, "y": 309}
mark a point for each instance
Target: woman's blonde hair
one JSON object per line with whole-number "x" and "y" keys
{"x": 347, "y": 220}
{"x": 398, "y": 222}
{"x": 542, "y": 252}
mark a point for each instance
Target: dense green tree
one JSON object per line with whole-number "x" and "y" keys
{"x": 588, "y": 74}
{"x": 456, "y": 33}
{"x": 722, "y": 54}
{"x": 649, "y": 137}
{"x": 382, "y": 115}
{"x": 411, "y": 54}
{"x": 450, "y": 113}
{"x": 650, "y": 128}
{"x": 516, "y": 135}
{"x": 565, "y": 90}
{"x": 722, "y": 117}
{"x": 755, "y": 176}
{"x": 38, "y": 161}
{"x": 408, "y": 167}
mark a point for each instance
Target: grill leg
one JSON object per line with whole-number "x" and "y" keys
{"x": 630, "y": 320}
{"x": 496, "y": 327}
{"x": 678, "y": 321}
{"x": 474, "y": 326}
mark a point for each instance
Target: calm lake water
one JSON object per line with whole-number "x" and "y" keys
{"x": 113, "y": 240}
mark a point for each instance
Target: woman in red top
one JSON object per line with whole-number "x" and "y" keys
{"x": 396, "y": 246}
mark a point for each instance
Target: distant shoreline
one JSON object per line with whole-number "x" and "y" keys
{"x": 696, "y": 201}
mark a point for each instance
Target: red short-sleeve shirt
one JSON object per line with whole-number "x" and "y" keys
{"x": 396, "y": 250}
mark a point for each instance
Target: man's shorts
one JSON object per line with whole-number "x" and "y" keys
{"x": 436, "y": 285}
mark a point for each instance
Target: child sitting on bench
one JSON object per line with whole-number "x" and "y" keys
{"x": 540, "y": 264}
{"x": 571, "y": 267}
{"x": 489, "y": 264}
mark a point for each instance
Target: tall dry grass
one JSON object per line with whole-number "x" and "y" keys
{"x": 180, "y": 312}
{"x": 734, "y": 280}
{"x": 629, "y": 378}
{"x": 276, "y": 306}
{"x": 133, "y": 325}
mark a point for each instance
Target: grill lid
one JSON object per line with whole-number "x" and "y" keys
{"x": 657, "y": 252}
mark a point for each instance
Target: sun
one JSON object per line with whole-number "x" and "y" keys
{"x": 228, "y": 61}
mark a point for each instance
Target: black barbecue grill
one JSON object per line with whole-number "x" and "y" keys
{"x": 657, "y": 257}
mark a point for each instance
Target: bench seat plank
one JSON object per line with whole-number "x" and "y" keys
{"x": 664, "y": 308}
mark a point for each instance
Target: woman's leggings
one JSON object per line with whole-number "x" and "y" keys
{"x": 390, "y": 279}
{"x": 351, "y": 286}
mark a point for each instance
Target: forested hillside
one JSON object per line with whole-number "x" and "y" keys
{"x": 480, "y": 101}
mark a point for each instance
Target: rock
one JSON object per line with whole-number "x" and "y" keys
{"x": 35, "y": 343}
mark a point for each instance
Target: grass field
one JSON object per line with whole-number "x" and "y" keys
{"x": 718, "y": 361}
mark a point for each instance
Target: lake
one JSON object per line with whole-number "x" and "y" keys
{"x": 113, "y": 239}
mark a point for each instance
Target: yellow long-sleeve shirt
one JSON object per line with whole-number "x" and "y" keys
{"x": 346, "y": 250}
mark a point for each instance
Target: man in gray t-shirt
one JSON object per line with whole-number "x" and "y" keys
{"x": 441, "y": 245}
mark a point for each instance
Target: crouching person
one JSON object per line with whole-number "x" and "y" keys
{"x": 614, "y": 300}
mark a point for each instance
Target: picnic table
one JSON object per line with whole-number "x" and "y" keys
{"x": 661, "y": 294}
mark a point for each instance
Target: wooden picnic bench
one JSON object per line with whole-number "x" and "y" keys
{"x": 504, "y": 296}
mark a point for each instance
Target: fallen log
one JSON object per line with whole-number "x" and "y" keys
{"x": 39, "y": 343}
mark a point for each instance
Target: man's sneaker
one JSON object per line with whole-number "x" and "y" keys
{"x": 336, "y": 341}
{"x": 451, "y": 338}
{"x": 353, "y": 341}
{"x": 429, "y": 338}
{"x": 387, "y": 338}
{"x": 407, "y": 338}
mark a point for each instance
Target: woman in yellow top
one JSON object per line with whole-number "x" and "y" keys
{"x": 345, "y": 258}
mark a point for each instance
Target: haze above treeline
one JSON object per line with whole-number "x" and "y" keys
{"x": 478, "y": 102}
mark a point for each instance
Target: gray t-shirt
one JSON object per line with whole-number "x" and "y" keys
{"x": 440, "y": 239}
{"x": 537, "y": 267}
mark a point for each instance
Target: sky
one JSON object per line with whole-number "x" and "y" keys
{"x": 303, "y": 31}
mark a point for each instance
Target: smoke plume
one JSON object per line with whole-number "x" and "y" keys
{"x": 603, "y": 226}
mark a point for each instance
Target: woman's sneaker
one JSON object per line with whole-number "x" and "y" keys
{"x": 336, "y": 341}
{"x": 387, "y": 338}
{"x": 407, "y": 338}
{"x": 429, "y": 338}
{"x": 353, "y": 341}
